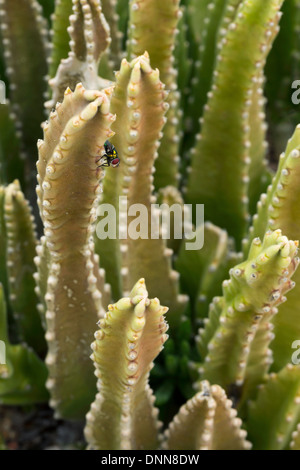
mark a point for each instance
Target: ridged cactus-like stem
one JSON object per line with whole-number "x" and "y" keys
{"x": 89, "y": 33}
{"x": 211, "y": 283}
{"x": 279, "y": 208}
{"x": 109, "y": 248}
{"x": 273, "y": 417}
{"x": 250, "y": 298}
{"x": 20, "y": 252}
{"x": 60, "y": 37}
{"x": 26, "y": 71}
{"x": 141, "y": 112}
{"x": 131, "y": 335}
{"x": 207, "y": 422}
{"x": 281, "y": 71}
{"x": 143, "y": 15}
{"x": 23, "y": 376}
{"x": 169, "y": 197}
{"x": 114, "y": 53}
{"x": 12, "y": 167}
{"x": 221, "y": 154}
{"x": 67, "y": 195}
{"x": 205, "y": 18}
{"x": 295, "y": 443}
{"x": 259, "y": 175}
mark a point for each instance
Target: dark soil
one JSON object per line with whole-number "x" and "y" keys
{"x": 37, "y": 429}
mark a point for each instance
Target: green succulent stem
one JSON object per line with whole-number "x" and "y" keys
{"x": 20, "y": 253}
{"x": 89, "y": 33}
{"x": 276, "y": 410}
{"x": 23, "y": 375}
{"x": 206, "y": 422}
{"x": 220, "y": 159}
{"x": 233, "y": 337}
{"x": 143, "y": 15}
{"x": 154, "y": 108}
{"x": 131, "y": 335}
{"x": 139, "y": 98}
{"x": 67, "y": 194}
{"x": 26, "y": 75}
{"x": 60, "y": 36}
{"x": 279, "y": 208}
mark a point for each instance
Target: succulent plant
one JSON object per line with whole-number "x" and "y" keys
{"x": 179, "y": 90}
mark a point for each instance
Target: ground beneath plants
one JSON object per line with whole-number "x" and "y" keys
{"x": 37, "y": 429}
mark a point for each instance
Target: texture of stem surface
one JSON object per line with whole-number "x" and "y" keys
{"x": 207, "y": 422}
{"x": 131, "y": 335}
{"x": 220, "y": 159}
{"x": 67, "y": 194}
{"x": 144, "y": 14}
{"x": 139, "y": 103}
{"x": 279, "y": 208}
{"x": 235, "y": 341}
